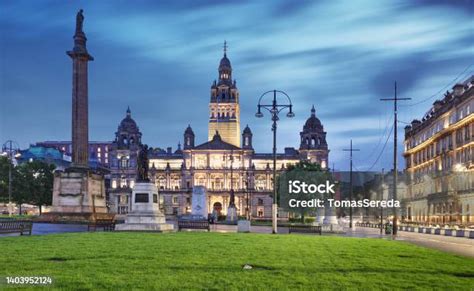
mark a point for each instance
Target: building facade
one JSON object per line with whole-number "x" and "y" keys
{"x": 439, "y": 157}
{"x": 124, "y": 152}
{"x": 226, "y": 161}
{"x": 98, "y": 150}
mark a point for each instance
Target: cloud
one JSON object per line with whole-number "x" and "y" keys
{"x": 160, "y": 57}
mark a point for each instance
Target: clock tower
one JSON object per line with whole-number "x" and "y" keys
{"x": 224, "y": 108}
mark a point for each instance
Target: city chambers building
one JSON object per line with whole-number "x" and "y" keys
{"x": 439, "y": 156}
{"x": 226, "y": 161}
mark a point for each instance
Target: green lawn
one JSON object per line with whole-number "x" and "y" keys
{"x": 214, "y": 261}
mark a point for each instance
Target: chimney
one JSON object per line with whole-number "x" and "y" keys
{"x": 458, "y": 90}
{"x": 437, "y": 104}
{"x": 168, "y": 150}
{"x": 415, "y": 123}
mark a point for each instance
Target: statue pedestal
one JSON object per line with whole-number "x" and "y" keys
{"x": 329, "y": 216}
{"x": 232, "y": 216}
{"x": 78, "y": 195}
{"x": 319, "y": 216}
{"x": 145, "y": 214}
{"x": 199, "y": 203}
{"x": 243, "y": 226}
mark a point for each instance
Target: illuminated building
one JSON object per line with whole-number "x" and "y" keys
{"x": 226, "y": 161}
{"x": 439, "y": 156}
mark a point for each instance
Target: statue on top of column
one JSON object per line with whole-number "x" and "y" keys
{"x": 79, "y": 21}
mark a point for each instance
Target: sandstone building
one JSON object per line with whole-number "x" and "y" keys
{"x": 439, "y": 156}
{"x": 226, "y": 161}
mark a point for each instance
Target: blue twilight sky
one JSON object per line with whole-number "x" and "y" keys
{"x": 160, "y": 57}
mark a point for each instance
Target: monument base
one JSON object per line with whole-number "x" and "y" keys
{"x": 232, "y": 216}
{"x": 78, "y": 196}
{"x": 155, "y": 227}
{"x": 73, "y": 217}
{"x": 145, "y": 214}
{"x": 243, "y": 226}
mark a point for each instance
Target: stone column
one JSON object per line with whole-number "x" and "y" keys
{"x": 80, "y": 125}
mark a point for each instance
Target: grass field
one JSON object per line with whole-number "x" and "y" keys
{"x": 214, "y": 261}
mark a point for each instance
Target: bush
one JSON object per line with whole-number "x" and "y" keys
{"x": 294, "y": 219}
{"x": 309, "y": 220}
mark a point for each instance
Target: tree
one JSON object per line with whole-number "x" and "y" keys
{"x": 4, "y": 165}
{"x": 307, "y": 172}
{"x": 20, "y": 186}
{"x": 34, "y": 184}
{"x": 42, "y": 184}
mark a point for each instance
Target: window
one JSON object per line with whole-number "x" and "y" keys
{"x": 175, "y": 199}
{"x": 260, "y": 212}
{"x": 124, "y": 162}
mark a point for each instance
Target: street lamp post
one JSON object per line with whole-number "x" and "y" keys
{"x": 351, "y": 190}
{"x": 10, "y": 149}
{"x": 274, "y": 110}
{"x": 247, "y": 186}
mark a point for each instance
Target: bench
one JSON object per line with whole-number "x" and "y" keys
{"x": 305, "y": 229}
{"x": 16, "y": 226}
{"x": 105, "y": 224}
{"x": 194, "y": 224}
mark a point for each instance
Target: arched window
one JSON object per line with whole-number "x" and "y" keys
{"x": 124, "y": 162}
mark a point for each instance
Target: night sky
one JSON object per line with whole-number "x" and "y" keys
{"x": 160, "y": 58}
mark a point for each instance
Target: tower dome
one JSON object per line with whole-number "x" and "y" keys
{"x": 313, "y": 146}
{"x": 128, "y": 133}
{"x": 313, "y": 135}
{"x": 225, "y": 69}
{"x": 247, "y": 138}
{"x": 128, "y": 124}
{"x": 313, "y": 123}
{"x": 189, "y": 130}
{"x": 247, "y": 130}
{"x": 188, "y": 138}
{"x": 225, "y": 63}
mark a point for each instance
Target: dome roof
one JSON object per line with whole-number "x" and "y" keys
{"x": 225, "y": 63}
{"x": 189, "y": 130}
{"x": 128, "y": 124}
{"x": 313, "y": 123}
{"x": 247, "y": 130}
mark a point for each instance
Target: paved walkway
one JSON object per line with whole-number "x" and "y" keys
{"x": 457, "y": 245}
